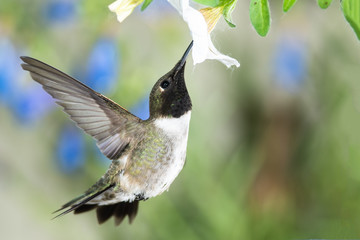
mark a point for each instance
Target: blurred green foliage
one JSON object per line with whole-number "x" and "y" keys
{"x": 351, "y": 10}
{"x": 263, "y": 162}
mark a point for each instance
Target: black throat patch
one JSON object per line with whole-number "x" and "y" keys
{"x": 176, "y": 101}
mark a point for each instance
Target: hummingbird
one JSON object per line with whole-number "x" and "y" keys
{"x": 146, "y": 155}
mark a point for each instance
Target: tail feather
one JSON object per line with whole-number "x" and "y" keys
{"x": 119, "y": 211}
{"x": 85, "y": 208}
{"x": 124, "y": 209}
{"x": 103, "y": 212}
{"x": 73, "y": 205}
{"x": 68, "y": 204}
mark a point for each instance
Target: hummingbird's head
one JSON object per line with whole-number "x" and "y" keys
{"x": 169, "y": 96}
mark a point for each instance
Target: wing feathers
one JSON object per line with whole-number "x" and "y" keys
{"x": 112, "y": 149}
{"x": 97, "y": 115}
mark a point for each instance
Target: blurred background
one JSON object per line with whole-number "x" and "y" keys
{"x": 273, "y": 149}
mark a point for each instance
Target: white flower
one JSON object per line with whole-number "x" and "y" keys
{"x": 203, "y": 47}
{"x": 200, "y": 27}
{"x": 123, "y": 8}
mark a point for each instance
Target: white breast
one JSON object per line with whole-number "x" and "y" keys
{"x": 177, "y": 130}
{"x": 175, "y": 127}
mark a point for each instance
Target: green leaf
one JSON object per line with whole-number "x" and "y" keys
{"x": 324, "y": 3}
{"x": 351, "y": 10}
{"x": 145, "y": 4}
{"x": 260, "y": 16}
{"x": 228, "y": 9}
{"x": 210, "y": 3}
{"x": 287, "y": 4}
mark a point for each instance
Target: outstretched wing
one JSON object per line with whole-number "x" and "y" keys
{"x": 110, "y": 124}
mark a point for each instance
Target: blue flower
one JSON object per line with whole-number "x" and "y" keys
{"x": 290, "y": 64}
{"x": 9, "y": 71}
{"x": 70, "y": 150}
{"x": 60, "y": 11}
{"x": 31, "y": 104}
{"x": 102, "y": 66}
{"x": 27, "y": 104}
{"x": 141, "y": 108}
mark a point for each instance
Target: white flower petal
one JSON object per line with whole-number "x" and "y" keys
{"x": 203, "y": 47}
{"x": 215, "y": 54}
{"x": 123, "y": 8}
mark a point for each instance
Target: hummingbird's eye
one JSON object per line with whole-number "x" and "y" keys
{"x": 165, "y": 84}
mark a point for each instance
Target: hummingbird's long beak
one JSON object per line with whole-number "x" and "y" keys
{"x": 183, "y": 59}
